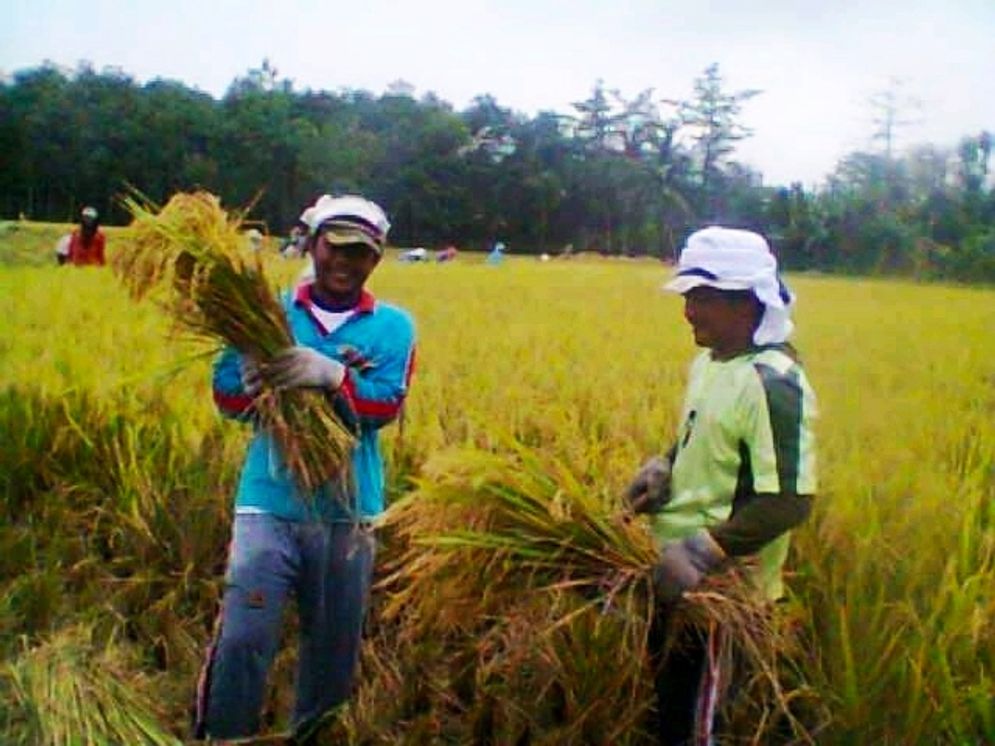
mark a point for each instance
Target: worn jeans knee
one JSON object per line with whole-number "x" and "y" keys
{"x": 259, "y": 578}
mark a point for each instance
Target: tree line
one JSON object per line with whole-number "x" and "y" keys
{"x": 616, "y": 174}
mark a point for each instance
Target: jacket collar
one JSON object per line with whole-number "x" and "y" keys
{"x": 302, "y": 297}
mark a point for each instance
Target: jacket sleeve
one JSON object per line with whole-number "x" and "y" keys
{"x": 760, "y": 521}
{"x": 776, "y": 442}
{"x": 73, "y": 252}
{"x": 229, "y": 396}
{"x": 376, "y": 393}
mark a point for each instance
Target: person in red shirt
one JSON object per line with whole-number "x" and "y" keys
{"x": 87, "y": 243}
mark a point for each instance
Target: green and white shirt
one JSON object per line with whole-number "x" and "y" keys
{"x": 746, "y": 430}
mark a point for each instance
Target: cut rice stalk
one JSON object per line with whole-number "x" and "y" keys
{"x": 193, "y": 251}
{"x": 515, "y": 557}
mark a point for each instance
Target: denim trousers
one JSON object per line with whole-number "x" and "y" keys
{"x": 328, "y": 568}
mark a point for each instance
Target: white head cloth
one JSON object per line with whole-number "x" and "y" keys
{"x": 731, "y": 259}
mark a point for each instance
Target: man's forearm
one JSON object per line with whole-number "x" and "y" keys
{"x": 760, "y": 521}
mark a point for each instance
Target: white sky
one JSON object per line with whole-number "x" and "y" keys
{"x": 817, "y": 61}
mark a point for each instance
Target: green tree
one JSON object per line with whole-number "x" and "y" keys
{"x": 713, "y": 117}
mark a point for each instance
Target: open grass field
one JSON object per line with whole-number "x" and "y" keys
{"x": 116, "y": 477}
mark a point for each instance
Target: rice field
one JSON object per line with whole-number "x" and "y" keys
{"x": 116, "y": 477}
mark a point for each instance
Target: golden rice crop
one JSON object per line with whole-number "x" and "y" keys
{"x": 890, "y": 581}
{"x": 217, "y": 291}
{"x": 69, "y": 691}
{"x": 524, "y": 576}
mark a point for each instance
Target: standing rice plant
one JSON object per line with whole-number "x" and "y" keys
{"x": 218, "y": 291}
{"x": 546, "y": 582}
{"x": 69, "y": 691}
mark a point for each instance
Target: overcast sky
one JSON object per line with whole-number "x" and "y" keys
{"x": 817, "y": 61}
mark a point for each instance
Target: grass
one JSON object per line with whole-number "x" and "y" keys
{"x": 118, "y": 477}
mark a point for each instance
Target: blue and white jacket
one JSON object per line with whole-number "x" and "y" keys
{"x": 376, "y": 344}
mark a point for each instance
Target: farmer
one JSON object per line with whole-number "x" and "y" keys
{"x": 86, "y": 245}
{"x": 496, "y": 254}
{"x": 318, "y": 548}
{"x": 742, "y": 472}
{"x": 254, "y": 239}
{"x": 296, "y": 245}
{"x": 447, "y": 254}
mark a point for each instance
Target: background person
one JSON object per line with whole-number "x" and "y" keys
{"x": 496, "y": 254}
{"x": 318, "y": 548}
{"x": 448, "y": 254}
{"x": 254, "y": 239}
{"x": 742, "y": 471}
{"x": 86, "y": 245}
{"x": 296, "y": 244}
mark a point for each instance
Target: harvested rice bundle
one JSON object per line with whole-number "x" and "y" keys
{"x": 548, "y": 582}
{"x": 72, "y": 690}
{"x": 216, "y": 290}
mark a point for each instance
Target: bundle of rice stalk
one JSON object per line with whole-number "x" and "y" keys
{"x": 481, "y": 529}
{"x": 217, "y": 290}
{"x": 509, "y": 553}
{"x": 69, "y": 691}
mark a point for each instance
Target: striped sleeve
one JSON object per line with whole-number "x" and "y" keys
{"x": 376, "y": 396}
{"x": 779, "y": 431}
{"x": 229, "y": 396}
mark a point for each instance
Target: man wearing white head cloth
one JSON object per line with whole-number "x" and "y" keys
{"x": 741, "y": 474}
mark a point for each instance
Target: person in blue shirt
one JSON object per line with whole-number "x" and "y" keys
{"x": 317, "y": 548}
{"x": 496, "y": 254}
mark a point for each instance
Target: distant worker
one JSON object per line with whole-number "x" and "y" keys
{"x": 496, "y": 255}
{"x": 296, "y": 245}
{"x": 414, "y": 255}
{"x": 447, "y": 254}
{"x": 304, "y": 225}
{"x": 255, "y": 239}
{"x": 86, "y": 245}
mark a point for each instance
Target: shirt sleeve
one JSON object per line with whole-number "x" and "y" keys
{"x": 98, "y": 248}
{"x": 229, "y": 396}
{"x": 376, "y": 393}
{"x": 776, "y": 442}
{"x": 776, "y": 432}
{"x": 73, "y": 251}
{"x": 760, "y": 521}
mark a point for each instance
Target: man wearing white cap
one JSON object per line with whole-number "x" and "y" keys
{"x": 742, "y": 471}
{"x": 318, "y": 548}
{"x": 86, "y": 245}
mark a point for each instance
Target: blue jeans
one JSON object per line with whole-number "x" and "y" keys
{"x": 328, "y": 567}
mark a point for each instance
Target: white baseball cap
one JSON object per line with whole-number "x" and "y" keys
{"x": 348, "y": 219}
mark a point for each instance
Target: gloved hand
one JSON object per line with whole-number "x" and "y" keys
{"x": 649, "y": 490}
{"x": 683, "y": 564}
{"x": 252, "y": 380}
{"x": 296, "y": 367}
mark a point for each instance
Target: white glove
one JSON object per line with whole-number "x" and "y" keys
{"x": 297, "y": 367}
{"x": 252, "y": 380}
{"x": 649, "y": 490}
{"x": 683, "y": 564}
